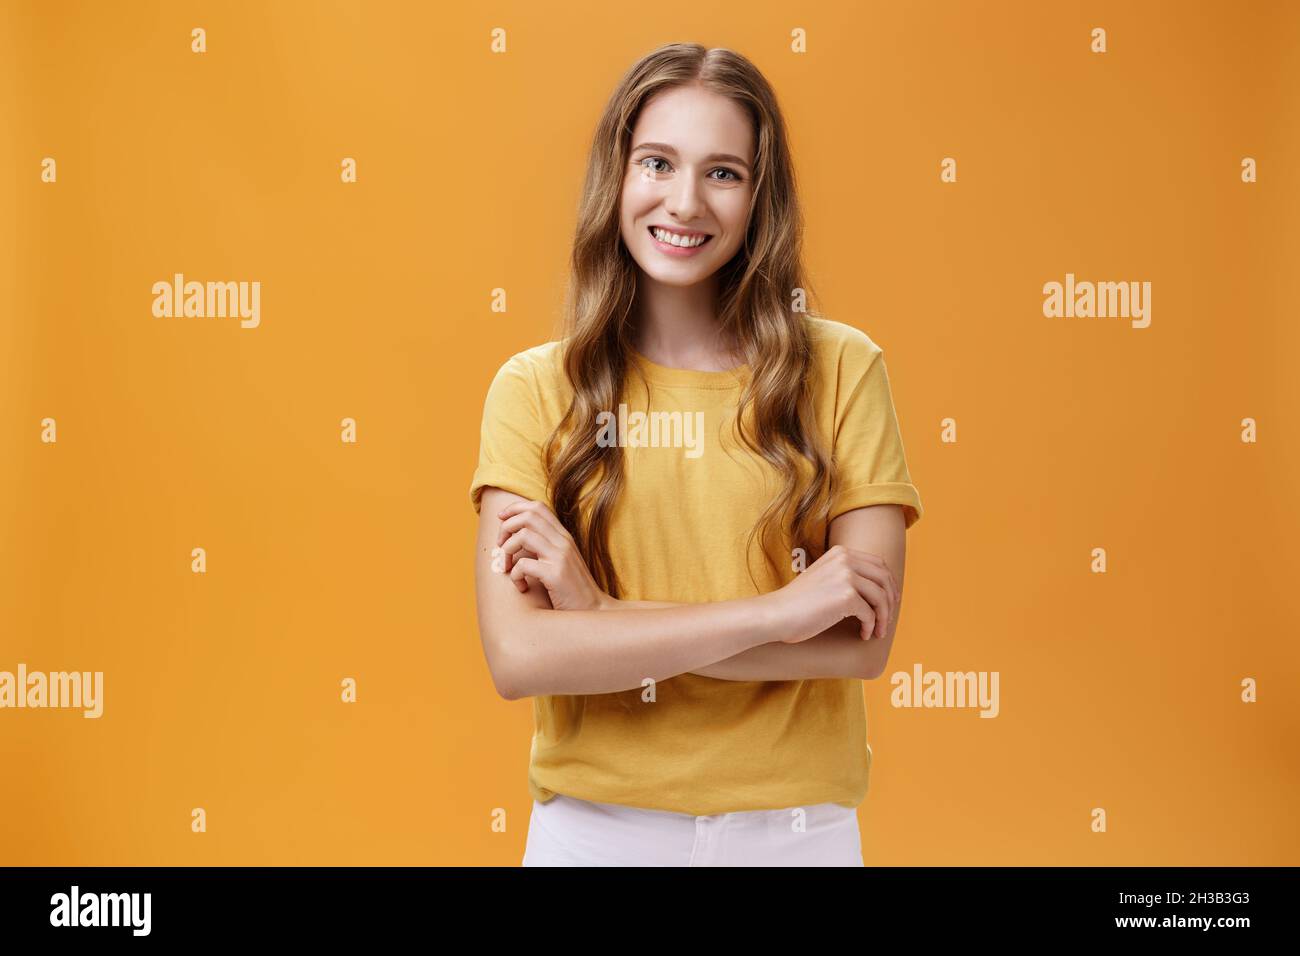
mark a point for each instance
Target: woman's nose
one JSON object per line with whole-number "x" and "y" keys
{"x": 685, "y": 202}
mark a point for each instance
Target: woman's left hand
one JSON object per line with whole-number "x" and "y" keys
{"x": 537, "y": 548}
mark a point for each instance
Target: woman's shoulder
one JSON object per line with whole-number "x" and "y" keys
{"x": 837, "y": 345}
{"x": 540, "y": 366}
{"x": 548, "y": 355}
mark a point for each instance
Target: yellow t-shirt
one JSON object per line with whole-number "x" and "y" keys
{"x": 678, "y": 533}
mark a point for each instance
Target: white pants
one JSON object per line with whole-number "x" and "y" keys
{"x": 566, "y": 831}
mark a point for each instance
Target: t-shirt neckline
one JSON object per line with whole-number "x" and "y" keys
{"x": 694, "y": 378}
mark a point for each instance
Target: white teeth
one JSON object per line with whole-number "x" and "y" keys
{"x": 663, "y": 235}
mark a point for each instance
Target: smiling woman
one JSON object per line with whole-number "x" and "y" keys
{"x": 689, "y": 195}
{"x": 697, "y": 700}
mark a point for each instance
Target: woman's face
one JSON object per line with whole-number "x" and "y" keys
{"x": 690, "y": 173}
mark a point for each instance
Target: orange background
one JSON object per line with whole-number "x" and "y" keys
{"x": 328, "y": 560}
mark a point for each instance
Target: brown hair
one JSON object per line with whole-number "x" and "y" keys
{"x": 775, "y": 410}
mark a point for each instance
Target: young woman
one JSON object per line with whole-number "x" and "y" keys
{"x": 693, "y": 506}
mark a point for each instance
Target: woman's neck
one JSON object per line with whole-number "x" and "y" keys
{"x": 677, "y": 326}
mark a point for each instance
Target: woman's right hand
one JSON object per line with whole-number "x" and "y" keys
{"x": 843, "y": 582}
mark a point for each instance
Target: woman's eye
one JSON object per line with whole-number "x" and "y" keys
{"x": 649, "y": 161}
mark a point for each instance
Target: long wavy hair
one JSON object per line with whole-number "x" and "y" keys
{"x": 757, "y": 287}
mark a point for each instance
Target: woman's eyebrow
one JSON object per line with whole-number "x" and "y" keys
{"x": 711, "y": 158}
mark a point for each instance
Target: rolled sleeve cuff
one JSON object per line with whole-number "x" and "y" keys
{"x": 507, "y": 479}
{"x": 883, "y": 493}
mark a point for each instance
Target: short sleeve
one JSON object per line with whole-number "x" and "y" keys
{"x": 511, "y": 439}
{"x": 868, "y": 443}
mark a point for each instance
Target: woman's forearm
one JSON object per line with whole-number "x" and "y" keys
{"x": 838, "y": 651}
{"x": 591, "y": 652}
{"x": 615, "y": 604}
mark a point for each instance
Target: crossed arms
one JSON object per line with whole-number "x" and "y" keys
{"x": 534, "y": 649}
